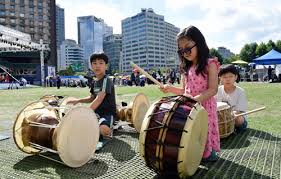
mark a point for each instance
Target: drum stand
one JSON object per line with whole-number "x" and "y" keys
{"x": 44, "y": 150}
{"x": 41, "y": 148}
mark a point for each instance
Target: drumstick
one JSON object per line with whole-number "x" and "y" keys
{"x": 249, "y": 112}
{"x": 55, "y": 107}
{"x": 146, "y": 74}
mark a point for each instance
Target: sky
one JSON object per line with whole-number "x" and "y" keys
{"x": 227, "y": 23}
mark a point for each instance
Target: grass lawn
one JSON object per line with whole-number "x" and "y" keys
{"x": 259, "y": 94}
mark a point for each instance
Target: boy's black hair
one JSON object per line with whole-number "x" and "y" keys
{"x": 229, "y": 68}
{"x": 102, "y": 56}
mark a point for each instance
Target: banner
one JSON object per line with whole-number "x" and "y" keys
{"x": 51, "y": 71}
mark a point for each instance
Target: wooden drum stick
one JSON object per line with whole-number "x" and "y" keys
{"x": 249, "y": 112}
{"x": 146, "y": 74}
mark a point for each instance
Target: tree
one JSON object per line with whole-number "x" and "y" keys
{"x": 248, "y": 52}
{"x": 232, "y": 59}
{"x": 261, "y": 50}
{"x": 67, "y": 72}
{"x": 80, "y": 73}
{"x": 215, "y": 53}
{"x": 270, "y": 45}
{"x": 278, "y": 46}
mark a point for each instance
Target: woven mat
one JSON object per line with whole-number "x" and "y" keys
{"x": 253, "y": 154}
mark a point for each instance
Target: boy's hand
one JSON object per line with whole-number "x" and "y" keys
{"x": 165, "y": 88}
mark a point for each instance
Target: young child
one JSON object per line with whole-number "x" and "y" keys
{"x": 233, "y": 95}
{"x": 102, "y": 96}
{"x": 200, "y": 82}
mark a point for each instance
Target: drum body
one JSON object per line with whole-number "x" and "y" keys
{"x": 173, "y": 136}
{"x": 226, "y": 120}
{"x": 121, "y": 115}
{"x": 39, "y": 128}
{"x": 24, "y": 133}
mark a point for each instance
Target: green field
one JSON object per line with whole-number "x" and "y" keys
{"x": 259, "y": 94}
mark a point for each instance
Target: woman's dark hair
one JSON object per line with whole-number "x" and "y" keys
{"x": 99, "y": 56}
{"x": 229, "y": 68}
{"x": 194, "y": 34}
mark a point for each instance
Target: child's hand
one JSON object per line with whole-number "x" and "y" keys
{"x": 165, "y": 88}
{"x": 234, "y": 113}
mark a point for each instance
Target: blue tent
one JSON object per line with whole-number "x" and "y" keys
{"x": 271, "y": 58}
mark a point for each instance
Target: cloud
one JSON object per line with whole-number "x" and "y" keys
{"x": 224, "y": 23}
{"x": 233, "y": 23}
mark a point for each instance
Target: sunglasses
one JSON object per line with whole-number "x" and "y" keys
{"x": 185, "y": 50}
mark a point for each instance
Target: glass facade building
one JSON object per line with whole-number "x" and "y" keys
{"x": 60, "y": 26}
{"x": 91, "y": 32}
{"x": 148, "y": 41}
{"x": 112, "y": 46}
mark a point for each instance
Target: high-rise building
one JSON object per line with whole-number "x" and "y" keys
{"x": 171, "y": 46}
{"x": 91, "y": 32}
{"x": 112, "y": 46}
{"x": 34, "y": 17}
{"x": 108, "y": 30}
{"x": 224, "y": 52}
{"x": 148, "y": 41}
{"x": 71, "y": 55}
{"x": 60, "y": 26}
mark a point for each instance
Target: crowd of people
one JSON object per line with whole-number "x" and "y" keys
{"x": 58, "y": 81}
{"x": 136, "y": 79}
{"x": 4, "y": 78}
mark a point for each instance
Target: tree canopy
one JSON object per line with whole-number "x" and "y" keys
{"x": 253, "y": 50}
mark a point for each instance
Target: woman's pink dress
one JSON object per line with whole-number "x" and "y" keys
{"x": 195, "y": 85}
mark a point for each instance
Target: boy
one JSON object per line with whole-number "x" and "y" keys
{"x": 102, "y": 96}
{"x": 233, "y": 95}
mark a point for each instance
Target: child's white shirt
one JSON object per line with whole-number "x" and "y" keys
{"x": 237, "y": 99}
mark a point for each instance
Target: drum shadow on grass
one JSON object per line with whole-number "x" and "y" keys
{"x": 120, "y": 150}
{"x": 220, "y": 169}
{"x": 226, "y": 169}
{"x": 243, "y": 139}
{"x": 38, "y": 166}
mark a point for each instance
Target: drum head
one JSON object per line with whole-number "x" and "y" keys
{"x": 222, "y": 106}
{"x": 139, "y": 109}
{"x": 21, "y": 129}
{"x": 193, "y": 141}
{"x": 76, "y": 136}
